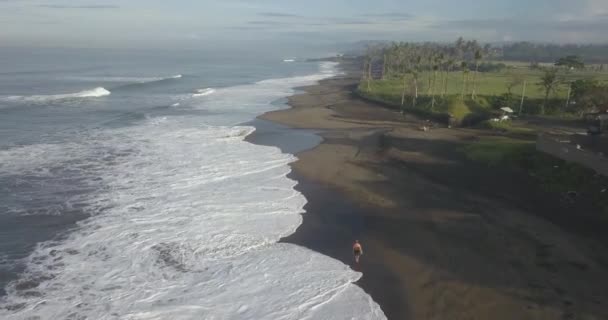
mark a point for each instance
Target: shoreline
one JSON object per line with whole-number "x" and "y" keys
{"x": 331, "y": 220}
{"x": 439, "y": 243}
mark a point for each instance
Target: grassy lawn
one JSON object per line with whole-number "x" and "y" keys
{"x": 488, "y": 84}
{"x": 491, "y": 87}
{"x": 553, "y": 174}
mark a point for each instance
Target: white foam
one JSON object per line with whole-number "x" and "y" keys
{"x": 204, "y": 92}
{"x": 289, "y": 60}
{"x": 93, "y": 93}
{"x": 192, "y": 215}
{"x": 257, "y": 98}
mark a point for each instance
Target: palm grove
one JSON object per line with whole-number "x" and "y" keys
{"x": 464, "y": 81}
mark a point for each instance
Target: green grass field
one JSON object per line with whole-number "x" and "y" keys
{"x": 488, "y": 84}
{"x": 491, "y": 87}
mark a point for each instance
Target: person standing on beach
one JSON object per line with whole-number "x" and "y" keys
{"x": 357, "y": 250}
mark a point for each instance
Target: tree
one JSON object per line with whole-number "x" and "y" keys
{"x": 465, "y": 73}
{"x": 450, "y": 67}
{"x": 435, "y": 68}
{"x": 569, "y": 94}
{"x": 364, "y": 72}
{"x": 523, "y": 97}
{"x": 515, "y": 79}
{"x": 415, "y": 77}
{"x": 582, "y": 87}
{"x": 594, "y": 99}
{"x": 404, "y": 88}
{"x": 430, "y": 59}
{"x": 549, "y": 82}
{"x": 534, "y": 65}
{"x": 570, "y": 62}
{"x": 459, "y": 46}
{"x": 478, "y": 56}
{"x": 372, "y": 55}
{"x": 440, "y": 64}
{"x": 384, "y": 66}
{"x": 367, "y": 66}
{"x": 589, "y": 95}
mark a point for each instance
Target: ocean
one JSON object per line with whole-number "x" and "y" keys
{"x": 128, "y": 191}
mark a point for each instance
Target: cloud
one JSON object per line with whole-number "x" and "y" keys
{"x": 586, "y": 29}
{"x": 278, "y": 15}
{"x": 90, "y": 6}
{"x": 349, "y": 21}
{"x": 267, "y": 23}
{"x": 596, "y": 6}
{"x": 510, "y": 24}
{"x": 475, "y": 23}
{"x": 393, "y": 15}
{"x": 246, "y": 28}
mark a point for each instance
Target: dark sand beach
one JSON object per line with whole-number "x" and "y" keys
{"x": 444, "y": 238}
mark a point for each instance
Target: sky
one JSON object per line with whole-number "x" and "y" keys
{"x": 200, "y": 23}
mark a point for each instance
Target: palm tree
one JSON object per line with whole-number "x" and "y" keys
{"x": 430, "y": 58}
{"x": 416, "y": 74}
{"x": 404, "y": 86}
{"x": 465, "y": 72}
{"x": 478, "y": 57}
{"x": 549, "y": 82}
{"x": 569, "y": 95}
{"x": 439, "y": 60}
{"x": 367, "y": 73}
{"x": 523, "y": 97}
{"x": 404, "y": 89}
{"x": 435, "y": 69}
{"x": 460, "y": 46}
{"x": 364, "y": 71}
{"x": 450, "y": 66}
{"x": 415, "y": 98}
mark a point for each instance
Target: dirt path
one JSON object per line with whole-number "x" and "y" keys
{"x": 444, "y": 237}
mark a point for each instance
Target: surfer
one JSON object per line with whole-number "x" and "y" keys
{"x": 357, "y": 250}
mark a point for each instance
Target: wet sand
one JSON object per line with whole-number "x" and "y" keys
{"x": 444, "y": 238}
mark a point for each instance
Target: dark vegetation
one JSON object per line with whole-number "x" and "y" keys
{"x": 527, "y": 51}
{"x": 572, "y": 182}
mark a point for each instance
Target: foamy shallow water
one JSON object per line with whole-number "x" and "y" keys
{"x": 185, "y": 226}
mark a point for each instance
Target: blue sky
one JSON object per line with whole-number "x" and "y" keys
{"x": 135, "y": 23}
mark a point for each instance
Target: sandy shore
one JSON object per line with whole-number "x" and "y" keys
{"x": 442, "y": 239}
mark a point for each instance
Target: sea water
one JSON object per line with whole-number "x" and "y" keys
{"x": 127, "y": 191}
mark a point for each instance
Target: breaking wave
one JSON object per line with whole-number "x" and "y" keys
{"x": 204, "y": 92}
{"x": 185, "y": 222}
{"x": 132, "y": 80}
{"x": 92, "y": 93}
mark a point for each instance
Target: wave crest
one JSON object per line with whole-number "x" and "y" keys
{"x": 204, "y": 92}
{"x": 126, "y": 79}
{"x": 92, "y": 93}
